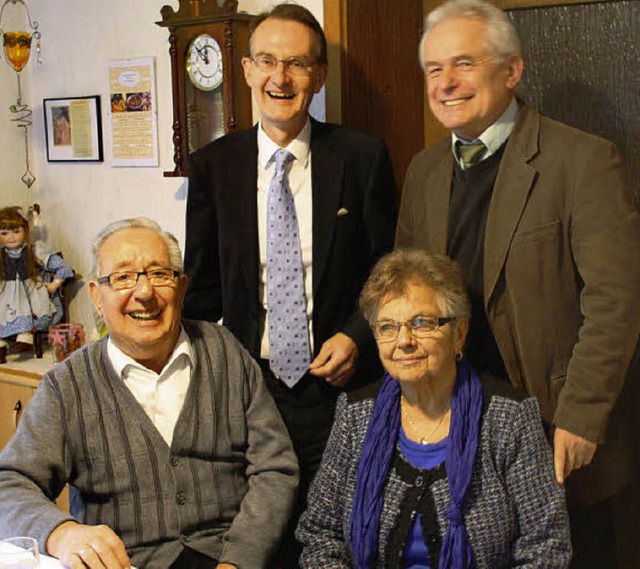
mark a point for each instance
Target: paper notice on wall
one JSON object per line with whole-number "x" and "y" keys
{"x": 133, "y": 116}
{"x": 82, "y": 138}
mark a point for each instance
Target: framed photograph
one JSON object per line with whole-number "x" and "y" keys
{"x": 73, "y": 129}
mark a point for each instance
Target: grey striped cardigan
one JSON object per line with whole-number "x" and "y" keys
{"x": 225, "y": 487}
{"x": 515, "y": 515}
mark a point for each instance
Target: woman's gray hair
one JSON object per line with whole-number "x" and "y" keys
{"x": 394, "y": 273}
{"x": 175, "y": 256}
{"x": 501, "y": 37}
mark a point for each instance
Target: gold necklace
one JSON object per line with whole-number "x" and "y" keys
{"x": 424, "y": 440}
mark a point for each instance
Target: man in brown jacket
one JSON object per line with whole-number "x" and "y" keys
{"x": 543, "y": 221}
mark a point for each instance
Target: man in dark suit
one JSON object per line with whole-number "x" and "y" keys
{"x": 343, "y": 191}
{"x": 543, "y": 221}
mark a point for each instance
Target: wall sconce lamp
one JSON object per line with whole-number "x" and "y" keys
{"x": 17, "y": 49}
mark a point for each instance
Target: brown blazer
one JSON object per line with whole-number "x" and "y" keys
{"x": 561, "y": 277}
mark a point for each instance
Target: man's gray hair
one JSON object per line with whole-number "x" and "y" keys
{"x": 501, "y": 37}
{"x": 175, "y": 255}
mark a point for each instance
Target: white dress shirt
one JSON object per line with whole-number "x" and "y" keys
{"x": 161, "y": 395}
{"x": 299, "y": 174}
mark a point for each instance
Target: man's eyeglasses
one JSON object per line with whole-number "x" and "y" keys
{"x": 121, "y": 280}
{"x": 420, "y": 327}
{"x": 293, "y": 65}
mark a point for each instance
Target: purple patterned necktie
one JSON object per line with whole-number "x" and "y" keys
{"x": 289, "y": 351}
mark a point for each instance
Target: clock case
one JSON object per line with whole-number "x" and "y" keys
{"x": 201, "y": 116}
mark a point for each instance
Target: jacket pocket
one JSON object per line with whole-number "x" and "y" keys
{"x": 537, "y": 234}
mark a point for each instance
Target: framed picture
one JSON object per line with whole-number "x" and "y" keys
{"x": 73, "y": 129}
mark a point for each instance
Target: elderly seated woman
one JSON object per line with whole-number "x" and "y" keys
{"x": 432, "y": 467}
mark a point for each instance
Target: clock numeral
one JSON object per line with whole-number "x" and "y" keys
{"x": 205, "y": 62}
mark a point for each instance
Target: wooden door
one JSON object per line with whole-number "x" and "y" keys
{"x": 375, "y": 82}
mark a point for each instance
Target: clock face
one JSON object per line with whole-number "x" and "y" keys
{"x": 204, "y": 62}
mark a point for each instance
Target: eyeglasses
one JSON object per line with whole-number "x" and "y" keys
{"x": 420, "y": 327}
{"x": 122, "y": 280}
{"x": 292, "y": 65}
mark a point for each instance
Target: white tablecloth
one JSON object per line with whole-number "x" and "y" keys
{"x": 46, "y": 562}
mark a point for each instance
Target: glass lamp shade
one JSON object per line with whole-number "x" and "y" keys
{"x": 17, "y": 47}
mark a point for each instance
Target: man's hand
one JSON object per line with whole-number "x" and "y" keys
{"x": 570, "y": 452}
{"x": 336, "y": 361}
{"x": 78, "y": 546}
{"x": 225, "y": 566}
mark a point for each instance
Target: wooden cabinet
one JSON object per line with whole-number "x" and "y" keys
{"x": 13, "y": 398}
{"x": 18, "y": 382}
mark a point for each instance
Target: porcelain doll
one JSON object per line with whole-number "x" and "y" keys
{"x": 29, "y": 283}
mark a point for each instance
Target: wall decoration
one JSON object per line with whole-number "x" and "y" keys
{"x": 73, "y": 129}
{"x": 17, "y": 49}
{"x": 133, "y": 115}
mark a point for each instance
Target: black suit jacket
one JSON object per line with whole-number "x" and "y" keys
{"x": 353, "y": 225}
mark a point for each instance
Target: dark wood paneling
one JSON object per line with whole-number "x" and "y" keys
{"x": 381, "y": 81}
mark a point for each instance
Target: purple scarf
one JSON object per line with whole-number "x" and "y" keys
{"x": 377, "y": 452}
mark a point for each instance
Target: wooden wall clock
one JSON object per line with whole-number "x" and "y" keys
{"x": 207, "y": 39}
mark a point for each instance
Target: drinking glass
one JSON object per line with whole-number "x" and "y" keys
{"x": 65, "y": 339}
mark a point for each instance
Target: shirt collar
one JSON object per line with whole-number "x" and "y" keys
{"x": 121, "y": 361}
{"x": 496, "y": 134}
{"x": 300, "y": 146}
{"x": 16, "y": 253}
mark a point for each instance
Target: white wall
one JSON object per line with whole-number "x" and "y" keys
{"x": 78, "y": 38}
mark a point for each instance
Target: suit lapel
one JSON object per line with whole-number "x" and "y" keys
{"x": 513, "y": 185}
{"x": 241, "y": 173}
{"x": 437, "y": 201}
{"x": 327, "y": 171}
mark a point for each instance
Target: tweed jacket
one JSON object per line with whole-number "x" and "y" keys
{"x": 561, "y": 278}
{"x": 225, "y": 487}
{"x": 515, "y": 514}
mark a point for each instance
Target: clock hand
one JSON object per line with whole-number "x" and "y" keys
{"x": 202, "y": 52}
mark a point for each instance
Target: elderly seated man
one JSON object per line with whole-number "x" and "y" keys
{"x": 173, "y": 449}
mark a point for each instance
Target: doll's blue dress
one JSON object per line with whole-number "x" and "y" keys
{"x": 25, "y": 304}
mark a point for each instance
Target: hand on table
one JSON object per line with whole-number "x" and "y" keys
{"x": 78, "y": 546}
{"x": 570, "y": 452}
{"x": 336, "y": 361}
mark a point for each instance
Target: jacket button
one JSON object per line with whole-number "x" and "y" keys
{"x": 181, "y": 499}
{"x": 174, "y": 461}
{"x": 419, "y": 481}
